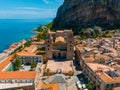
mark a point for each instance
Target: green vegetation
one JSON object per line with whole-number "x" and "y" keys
{"x": 48, "y": 72}
{"x": 44, "y": 59}
{"x": 17, "y": 50}
{"x": 17, "y": 64}
{"x": 33, "y": 65}
{"x": 41, "y": 35}
{"x": 83, "y": 37}
{"x": 95, "y": 32}
{"x": 49, "y": 25}
{"x": 42, "y": 29}
{"x": 28, "y": 44}
{"x": 90, "y": 32}
{"x": 41, "y": 51}
{"x": 89, "y": 86}
{"x": 70, "y": 73}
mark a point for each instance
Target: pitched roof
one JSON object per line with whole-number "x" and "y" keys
{"x": 100, "y": 70}
{"x": 58, "y": 78}
{"x": 23, "y": 53}
{"x": 17, "y": 75}
{"x": 6, "y": 61}
{"x": 30, "y": 49}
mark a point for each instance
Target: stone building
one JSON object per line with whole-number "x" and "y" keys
{"x": 17, "y": 80}
{"x": 59, "y": 45}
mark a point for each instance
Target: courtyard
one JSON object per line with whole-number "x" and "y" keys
{"x": 63, "y": 66}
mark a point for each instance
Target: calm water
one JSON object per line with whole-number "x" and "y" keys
{"x": 14, "y": 30}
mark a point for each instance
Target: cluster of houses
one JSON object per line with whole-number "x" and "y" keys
{"x": 11, "y": 49}
{"x": 99, "y": 60}
{"x": 18, "y": 79}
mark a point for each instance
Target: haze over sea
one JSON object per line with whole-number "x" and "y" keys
{"x": 14, "y": 30}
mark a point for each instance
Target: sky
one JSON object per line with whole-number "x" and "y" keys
{"x": 29, "y": 9}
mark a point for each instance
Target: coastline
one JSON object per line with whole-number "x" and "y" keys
{"x": 35, "y": 33}
{"x": 14, "y": 30}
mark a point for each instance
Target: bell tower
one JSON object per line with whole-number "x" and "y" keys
{"x": 49, "y": 46}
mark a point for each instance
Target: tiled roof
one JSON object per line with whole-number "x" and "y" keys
{"x": 4, "y": 63}
{"x": 58, "y": 78}
{"x": 17, "y": 75}
{"x": 23, "y": 53}
{"x": 100, "y": 70}
{"x": 30, "y": 49}
{"x": 50, "y": 86}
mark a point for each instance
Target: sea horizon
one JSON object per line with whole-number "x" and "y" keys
{"x": 14, "y": 30}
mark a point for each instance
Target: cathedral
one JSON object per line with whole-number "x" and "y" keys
{"x": 59, "y": 45}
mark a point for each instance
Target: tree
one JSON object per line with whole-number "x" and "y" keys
{"x": 109, "y": 35}
{"x": 28, "y": 43}
{"x": 17, "y": 64}
{"x": 89, "y": 86}
{"x": 97, "y": 29}
{"x": 47, "y": 70}
{"x": 70, "y": 73}
{"x": 49, "y": 25}
{"x": 40, "y": 28}
{"x": 33, "y": 65}
{"x": 83, "y": 37}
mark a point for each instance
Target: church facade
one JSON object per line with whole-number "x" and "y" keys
{"x": 59, "y": 45}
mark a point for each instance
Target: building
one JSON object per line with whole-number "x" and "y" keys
{"x": 60, "y": 79}
{"x": 59, "y": 51}
{"x": 3, "y": 56}
{"x": 100, "y": 64}
{"x": 14, "y": 47}
{"x": 40, "y": 44}
{"x": 17, "y": 80}
{"x": 28, "y": 55}
{"x": 28, "y": 58}
{"x": 59, "y": 45}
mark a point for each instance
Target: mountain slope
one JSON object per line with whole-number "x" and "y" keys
{"x": 77, "y": 14}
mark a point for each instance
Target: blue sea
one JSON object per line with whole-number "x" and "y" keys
{"x": 14, "y": 30}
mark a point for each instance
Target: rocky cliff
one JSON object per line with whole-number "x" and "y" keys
{"x": 86, "y": 13}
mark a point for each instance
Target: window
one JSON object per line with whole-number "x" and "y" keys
{"x": 117, "y": 84}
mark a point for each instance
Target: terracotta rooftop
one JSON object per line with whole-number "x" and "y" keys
{"x": 100, "y": 70}
{"x": 60, "y": 39}
{"x": 17, "y": 75}
{"x": 108, "y": 48}
{"x": 100, "y": 56}
{"x": 5, "y": 62}
{"x": 31, "y": 49}
{"x": 24, "y": 53}
{"x": 50, "y": 86}
{"x": 88, "y": 59}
